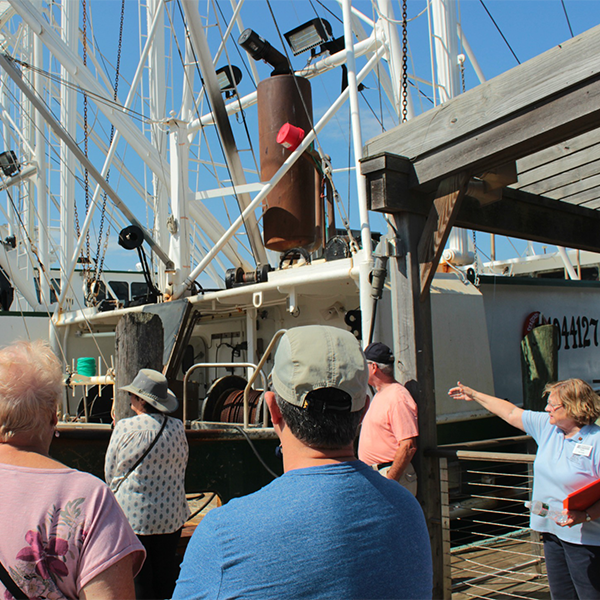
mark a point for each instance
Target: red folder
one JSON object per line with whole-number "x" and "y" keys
{"x": 584, "y": 497}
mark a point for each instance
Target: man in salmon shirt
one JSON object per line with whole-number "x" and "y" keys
{"x": 388, "y": 437}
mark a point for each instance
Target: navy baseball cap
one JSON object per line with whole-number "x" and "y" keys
{"x": 379, "y": 353}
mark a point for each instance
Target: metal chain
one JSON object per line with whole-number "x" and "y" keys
{"x": 476, "y": 281}
{"x": 462, "y": 72}
{"x": 85, "y": 141}
{"x": 100, "y": 256}
{"x": 404, "y": 61}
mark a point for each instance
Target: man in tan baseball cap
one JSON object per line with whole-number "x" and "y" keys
{"x": 330, "y": 526}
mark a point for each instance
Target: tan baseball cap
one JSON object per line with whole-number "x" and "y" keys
{"x": 318, "y": 356}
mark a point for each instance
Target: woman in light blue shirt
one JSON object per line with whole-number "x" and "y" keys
{"x": 568, "y": 458}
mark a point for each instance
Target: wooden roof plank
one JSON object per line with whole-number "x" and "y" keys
{"x": 507, "y": 94}
{"x": 555, "y": 168}
{"x": 557, "y": 174}
{"x": 558, "y": 152}
{"x": 593, "y": 203}
{"x": 565, "y": 192}
{"x": 568, "y": 113}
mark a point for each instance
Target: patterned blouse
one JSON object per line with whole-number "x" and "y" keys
{"x": 153, "y": 496}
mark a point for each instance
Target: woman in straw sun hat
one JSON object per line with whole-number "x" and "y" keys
{"x": 145, "y": 468}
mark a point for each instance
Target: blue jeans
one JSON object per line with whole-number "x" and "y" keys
{"x": 573, "y": 569}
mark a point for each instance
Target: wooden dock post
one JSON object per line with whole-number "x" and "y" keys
{"x": 138, "y": 345}
{"x": 539, "y": 364}
{"x": 421, "y": 227}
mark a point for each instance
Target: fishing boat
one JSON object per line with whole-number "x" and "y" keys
{"x": 212, "y": 154}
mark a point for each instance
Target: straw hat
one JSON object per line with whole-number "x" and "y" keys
{"x": 152, "y": 386}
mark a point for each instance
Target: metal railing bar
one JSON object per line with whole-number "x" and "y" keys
{"x": 501, "y": 574}
{"x": 528, "y": 578}
{"x": 490, "y": 539}
{"x": 506, "y": 593}
{"x": 492, "y": 485}
{"x": 498, "y": 559}
{"x": 514, "y": 502}
{"x": 523, "y": 475}
{"x": 503, "y": 523}
{"x": 488, "y": 497}
{"x": 506, "y": 536}
{"x": 493, "y": 553}
{"x": 484, "y": 443}
{"x": 505, "y": 457}
{"x": 510, "y": 552}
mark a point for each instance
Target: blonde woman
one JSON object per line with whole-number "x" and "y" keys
{"x": 63, "y": 533}
{"x": 567, "y": 459}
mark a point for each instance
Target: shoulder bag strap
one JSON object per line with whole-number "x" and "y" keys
{"x": 10, "y": 585}
{"x": 143, "y": 456}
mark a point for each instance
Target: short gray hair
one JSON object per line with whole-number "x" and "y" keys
{"x": 386, "y": 369}
{"x": 30, "y": 386}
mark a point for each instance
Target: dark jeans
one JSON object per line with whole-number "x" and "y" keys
{"x": 156, "y": 580}
{"x": 573, "y": 569}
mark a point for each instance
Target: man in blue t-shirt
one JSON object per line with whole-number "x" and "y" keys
{"x": 331, "y": 526}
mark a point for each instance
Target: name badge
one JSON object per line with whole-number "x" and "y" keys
{"x": 582, "y": 449}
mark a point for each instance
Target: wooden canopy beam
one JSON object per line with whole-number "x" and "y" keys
{"x": 437, "y": 227}
{"x": 517, "y": 214}
{"x": 535, "y": 218}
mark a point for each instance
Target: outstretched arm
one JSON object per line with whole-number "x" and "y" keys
{"x": 501, "y": 408}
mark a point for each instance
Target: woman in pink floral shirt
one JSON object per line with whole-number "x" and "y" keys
{"x": 62, "y": 533}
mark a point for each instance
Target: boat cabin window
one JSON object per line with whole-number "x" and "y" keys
{"x": 138, "y": 289}
{"x": 121, "y": 290}
{"x": 54, "y": 289}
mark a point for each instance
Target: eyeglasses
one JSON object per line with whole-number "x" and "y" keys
{"x": 553, "y": 407}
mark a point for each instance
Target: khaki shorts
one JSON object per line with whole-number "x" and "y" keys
{"x": 408, "y": 479}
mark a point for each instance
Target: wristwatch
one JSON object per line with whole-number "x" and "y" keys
{"x": 587, "y": 517}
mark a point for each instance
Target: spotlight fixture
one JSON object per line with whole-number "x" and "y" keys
{"x": 228, "y": 77}
{"x": 9, "y": 163}
{"x": 308, "y": 36}
{"x": 259, "y": 49}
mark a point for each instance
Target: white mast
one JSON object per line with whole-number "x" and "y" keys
{"x": 157, "y": 101}
{"x": 68, "y": 117}
{"x": 41, "y": 188}
{"x": 179, "y": 246}
{"x": 366, "y": 255}
{"x": 445, "y": 40}
{"x": 445, "y": 36}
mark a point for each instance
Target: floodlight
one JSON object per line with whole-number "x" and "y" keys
{"x": 308, "y": 36}
{"x": 228, "y": 77}
{"x": 9, "y": 163}
{"x": 259, "y": 49}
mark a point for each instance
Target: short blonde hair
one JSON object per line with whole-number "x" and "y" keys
{"x": 30, "y": 386}
{"x": 579, "y": 399}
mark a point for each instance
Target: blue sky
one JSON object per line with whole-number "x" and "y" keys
{"x": 530, "y": 26}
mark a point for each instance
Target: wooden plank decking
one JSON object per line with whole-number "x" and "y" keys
{"x": 506, "y": 569}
